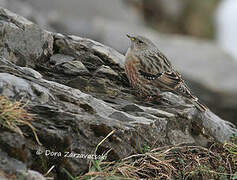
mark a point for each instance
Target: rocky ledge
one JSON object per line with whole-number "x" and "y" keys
{"x": 79, "y": 93}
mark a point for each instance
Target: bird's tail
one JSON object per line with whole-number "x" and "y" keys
{"x": 199, "y": 106}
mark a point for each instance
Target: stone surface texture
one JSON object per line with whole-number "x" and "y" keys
{"x": 79, "y": 93}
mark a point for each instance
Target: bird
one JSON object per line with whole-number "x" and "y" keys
{"x": 151, "y": 73}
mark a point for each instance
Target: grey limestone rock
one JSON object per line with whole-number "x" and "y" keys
{"x": 74, "y": 111}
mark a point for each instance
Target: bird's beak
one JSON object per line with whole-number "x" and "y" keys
{"x": 130, "y": 37}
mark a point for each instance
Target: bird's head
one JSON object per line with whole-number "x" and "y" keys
{"x": 140, "y": 42}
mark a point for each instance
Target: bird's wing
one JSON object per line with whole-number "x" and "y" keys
{"x": 149, "y": 76}
{"x": 154, "y": 63}
{"x": 160, "y": 57}
{"x": 169, "y": 80}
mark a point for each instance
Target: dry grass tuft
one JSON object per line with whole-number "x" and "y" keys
{"x": 177, "y": 162}
{"x": 14, "y": 114}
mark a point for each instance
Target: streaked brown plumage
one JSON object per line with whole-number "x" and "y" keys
{"x": 150, "y": 72}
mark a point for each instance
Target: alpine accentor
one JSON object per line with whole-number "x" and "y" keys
{"x": 150, "y": 72}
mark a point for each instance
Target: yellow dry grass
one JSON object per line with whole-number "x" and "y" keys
{"x": 13, "y": 115}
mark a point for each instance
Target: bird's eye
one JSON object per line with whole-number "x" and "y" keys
{"x": 140, "y": 42}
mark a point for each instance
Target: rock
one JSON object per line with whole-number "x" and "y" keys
{"x": 22, "y": 41}
{"x": 16, "y": 87}
{"x": 132, "y": 108}
{"x": 12, "y": 85}
{"x": 177, "y": 136}
{"x": 31, "y": 72}
{"x": 68, "y": 65}
{"x": 73, "y": 114}
{"x": 106, "y": 71}
{"x": 9, "y": 164}
{"x": 57, "y": 59}
{"x": 30, "y": 175}
{"x": 73, "y": 68}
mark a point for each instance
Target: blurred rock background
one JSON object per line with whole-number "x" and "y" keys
{"x": 186, "y": 31}
{"x": 180, "y": 16}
